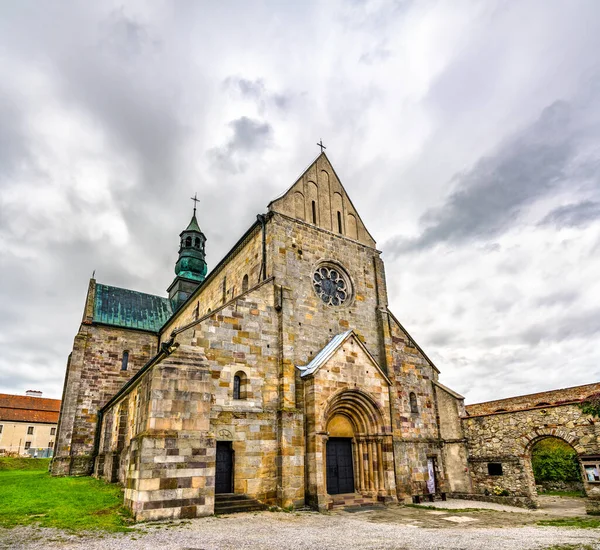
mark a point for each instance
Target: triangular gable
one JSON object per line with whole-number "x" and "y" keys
{"x": 318, "y": 197}
{"x": 329, "y": 350}
{"x": 411, "y": 339}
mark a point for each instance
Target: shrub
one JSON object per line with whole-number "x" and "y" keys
{"x": 554, "y": 460}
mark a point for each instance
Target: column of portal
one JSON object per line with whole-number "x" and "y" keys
{"x": 370, "y": 459}
{"x": 355, "y": 455}
{"x": 361, "y": 464}
{"x": 380, "y": 463}
{"x": 375, "y": 459}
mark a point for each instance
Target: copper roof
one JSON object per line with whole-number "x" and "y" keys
{"x": 22, "y": 408}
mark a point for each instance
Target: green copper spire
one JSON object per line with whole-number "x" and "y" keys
{"x": 190, "y": 269}
{"x": 191, "y": 263}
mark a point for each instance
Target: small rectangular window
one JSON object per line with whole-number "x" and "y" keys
{"x": 52, "y": 431}
{"x": 314, "y": 212}
{"x": 0, "y": 428}
{"x": 592, "y": 472}
{"x": 28, "y": 444}
{"x": 339, "y": 216}
{"x": 51, "y": 445}
{"x": 30, "y": 430}
{"x": 495, "y": 468}
{"x": 125, "y": 360}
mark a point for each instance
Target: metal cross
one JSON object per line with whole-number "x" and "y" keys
{"x": 195, "y": 201}
{"x": 320, "y": 144}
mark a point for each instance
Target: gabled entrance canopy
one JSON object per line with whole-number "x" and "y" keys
{"x": 329, "y": 350}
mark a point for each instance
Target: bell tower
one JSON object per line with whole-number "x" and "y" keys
{"x": 190, "y": 269}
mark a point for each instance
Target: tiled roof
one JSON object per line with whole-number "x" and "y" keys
{"x": 127, "y": 308}
{"x": 21, "y": 408}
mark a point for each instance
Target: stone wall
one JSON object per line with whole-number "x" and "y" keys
{"x": 168, "y": 465}
{"x": 507, "y": 438}
{"x": 93, "y": 376}
{"x": 454, "y": 450}
{"x": 295, "y": 250}
{"x": 554, "y": 397}
{"x": 243, "y": 337}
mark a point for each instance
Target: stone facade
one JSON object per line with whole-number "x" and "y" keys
{"x": 287, "y": 358}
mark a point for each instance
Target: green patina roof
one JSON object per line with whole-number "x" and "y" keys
{"x": 193, "y": 225}
{"x": 127, "y": 308}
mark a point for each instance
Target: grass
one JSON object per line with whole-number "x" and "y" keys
{"x": 580, "y": 522}
{"x": 29, "y": 495}
{"x": 40, "y": 464}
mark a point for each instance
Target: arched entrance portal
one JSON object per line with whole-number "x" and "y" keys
{"x": 357, "y": 451}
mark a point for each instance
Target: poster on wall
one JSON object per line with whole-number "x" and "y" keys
{"x": 431, "y": 471}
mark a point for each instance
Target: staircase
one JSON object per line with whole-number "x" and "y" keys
{"x": 353, "y": 500}
{"x": 232, "y": 503}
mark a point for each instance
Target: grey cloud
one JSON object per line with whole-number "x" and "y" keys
{"x": 560, "y": 298}
{"x": 573, "y": 215}
{"x": 249, "y": 136}
{"x": 488, "y": 198}
{"x": 376, "y": 55}
{"x": 256, "y": 90}
{"x": 579, "y": 325}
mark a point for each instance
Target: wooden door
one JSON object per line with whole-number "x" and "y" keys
{"x": 340, "y": 471}
{"x": 224, "y": 468}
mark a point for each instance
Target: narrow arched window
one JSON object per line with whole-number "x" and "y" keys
{"x": 197, "y": 242}
{"x": 240, "y": 385}
{"x": 188, "y": 241}
{"x": 125, "y": 360}
{"x": 314, "y": 212}
{"x": 245, "y": 283}
{"x": 237, "y": 385}
{"x": 339, "y": 214}
{"x": 414, "y": 408}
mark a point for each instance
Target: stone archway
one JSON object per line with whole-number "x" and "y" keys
{"x": 353, "y": 416}
{"x": 530, "y": 440}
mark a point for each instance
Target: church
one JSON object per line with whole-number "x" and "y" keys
{"x": 281, "y": 376}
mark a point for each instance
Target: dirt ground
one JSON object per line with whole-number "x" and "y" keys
{"x": 471, "y": 514}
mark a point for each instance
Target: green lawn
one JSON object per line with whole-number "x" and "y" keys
{"x": 580, "y": 522}
{"x": 29, "y": 495}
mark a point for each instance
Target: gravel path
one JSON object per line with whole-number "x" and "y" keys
{"x": 301, "y": 531}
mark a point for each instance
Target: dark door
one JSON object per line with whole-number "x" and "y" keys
{"x": 340, "y": 473}
{"x": 224, "y": 468}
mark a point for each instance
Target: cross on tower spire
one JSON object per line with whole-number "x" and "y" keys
{"x": 320, "y": 144}
{"x": 196, "y": 200}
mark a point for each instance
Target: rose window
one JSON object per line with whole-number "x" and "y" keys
{"x": 331, "y": 285}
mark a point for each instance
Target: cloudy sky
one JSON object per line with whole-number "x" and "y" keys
{"x": 466, "y": 133}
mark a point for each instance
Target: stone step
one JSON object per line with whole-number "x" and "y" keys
{"x": 354, "y": 500}
{"x": 232, "y": 503}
